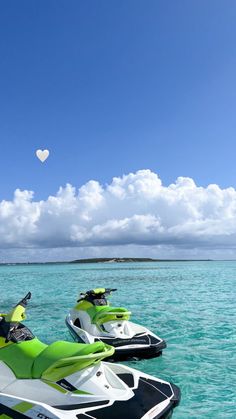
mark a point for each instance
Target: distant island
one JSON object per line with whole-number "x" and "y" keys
{"x": 104, "y": 260}
{"x": 124, "y": 260}
{"x": 115, "y": 260}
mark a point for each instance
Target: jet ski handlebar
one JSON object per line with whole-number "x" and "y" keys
{"x": 99, "y": 291}
{"x": 110, "y": 290}
{"x": 96, "y": 293}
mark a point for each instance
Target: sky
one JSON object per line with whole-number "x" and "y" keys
{"x": 117, "y": 90}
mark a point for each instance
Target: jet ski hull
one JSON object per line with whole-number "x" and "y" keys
{"x": 140, "y": 346}
{"x": 151, "y": 399}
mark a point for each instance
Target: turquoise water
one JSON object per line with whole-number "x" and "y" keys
{"x": 190, "y": 304}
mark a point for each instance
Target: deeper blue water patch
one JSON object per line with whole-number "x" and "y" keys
{"x": 189, "y": 304}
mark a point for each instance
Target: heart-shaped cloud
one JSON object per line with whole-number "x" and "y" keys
{"x": 42, "y": 155}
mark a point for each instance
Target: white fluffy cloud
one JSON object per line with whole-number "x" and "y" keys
{"x": 135, "y": 210}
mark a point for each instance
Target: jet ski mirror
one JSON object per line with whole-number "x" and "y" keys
{"x": 24, "y": 300}
{"x": 17, "y": 314}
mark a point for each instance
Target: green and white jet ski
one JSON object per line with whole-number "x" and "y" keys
{"x": 94, "y": 320}
{"x": 69, "y": 380}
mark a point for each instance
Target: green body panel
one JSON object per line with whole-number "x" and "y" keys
{"x": 3, "y": 342}
{"x": 23, "y": 407}
{"x": 103, "y": 314}
{"x": 19, "y": 357}
{"x": 58, "y": 351}
{"x": 107, "y": 314}
{"x": 83, "y": 305}
{"x": 34, "y": 359}
{"x": 99, "y": 290}
{"x": 55, "y": 386}
{"x": 16, "y": 315}
{"x": 85, "y": 356}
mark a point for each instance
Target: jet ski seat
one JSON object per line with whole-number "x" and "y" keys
{"x": 19, "y": 357}
{"x": 34, "y": 359}
{"x": 64, "y": 358}
{"x": 104, "y": 314}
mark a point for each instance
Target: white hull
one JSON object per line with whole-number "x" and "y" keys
{"x": 109, "y": 395}
{"x": 128, "y": 338}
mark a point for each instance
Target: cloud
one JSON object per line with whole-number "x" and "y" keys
{"x": 135, "y": 210}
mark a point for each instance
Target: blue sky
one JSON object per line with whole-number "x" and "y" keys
{"x": 135, "y": 101}
{"x": 110, "y": 87}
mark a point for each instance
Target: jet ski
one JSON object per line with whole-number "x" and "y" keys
{"x": 70, "y": 380}
{"x": 94, "y": 320}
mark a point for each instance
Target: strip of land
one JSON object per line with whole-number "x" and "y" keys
{"x": 125, "y": 260}
{"x": 106, "y": 260}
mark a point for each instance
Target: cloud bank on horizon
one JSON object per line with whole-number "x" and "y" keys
{"x": 134, "y": 210}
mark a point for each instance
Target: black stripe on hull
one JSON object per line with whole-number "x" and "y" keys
{"x": 135, "y": 340}
{"x": 81, "y": 405}
{"x": 138, "y": 353}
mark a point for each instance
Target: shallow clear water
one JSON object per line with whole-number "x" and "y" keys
{"x": 190, "y": 304}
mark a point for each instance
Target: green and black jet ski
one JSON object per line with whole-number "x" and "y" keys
{"x": 93, "y": 320}
{"x": 70, "y": 380}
